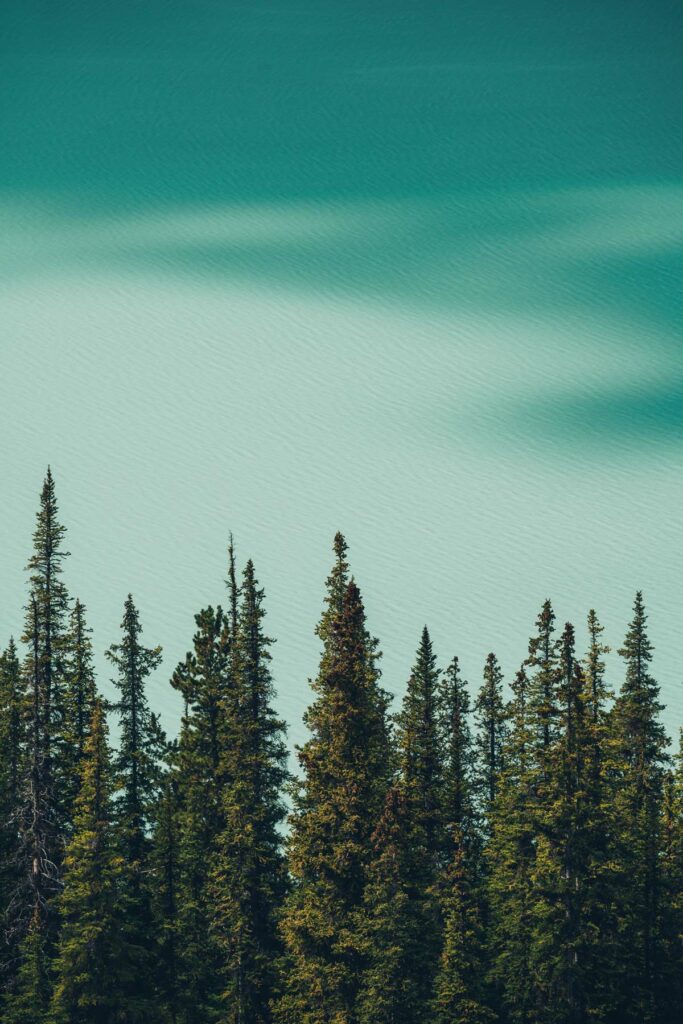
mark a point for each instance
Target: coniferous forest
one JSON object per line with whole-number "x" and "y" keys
{"x": 505, "y": 850}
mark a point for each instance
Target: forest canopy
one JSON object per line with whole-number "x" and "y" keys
{"x": 508, "y": 851}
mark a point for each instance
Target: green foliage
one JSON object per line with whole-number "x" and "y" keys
{"x": 638, "y": 766}
{"x": 97, "y": 962}
{"x": 510, "y": 857}
{"x": 138, "y": 775}
{"x": 460, "y": 992}
{"x": 27, "y": 1001}
{"x": 12, "y": 754}
{"x": 346, "y": 765}
{"x": 391, "y": 935}
{"x": 77, "y": 700}
{"x": 249, "y": 879}
{"x": 530, "y": 873}
{"x": 489, "y": 713}
{"x": 204, "y": 680}
{"x": 41, "y": 824}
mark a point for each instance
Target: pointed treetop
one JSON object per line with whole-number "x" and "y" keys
{"x": 340, "y": 546}
{"x": 233, "y": 588}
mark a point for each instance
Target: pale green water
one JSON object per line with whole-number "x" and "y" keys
{"x": 408, "y": 270}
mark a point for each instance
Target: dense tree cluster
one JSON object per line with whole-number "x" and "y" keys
{"x": 514, "y": 855}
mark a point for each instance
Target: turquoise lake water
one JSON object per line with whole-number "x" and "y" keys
{"x": 409, "y": 270}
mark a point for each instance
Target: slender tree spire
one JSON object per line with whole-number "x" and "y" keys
{"x": 249, "y": 879}
{"x": 640, "y": 742}
{"x": 418, "y": 745}
{"x": 12, "y": 757}
{"x": 489, "y": 712}
{"x": 77, "y": 703}
{"x": 346, "y": 765}
{"x": 95, "y": 967}
{"x": 137, "y": 768}
{"x": 41, "y": 824}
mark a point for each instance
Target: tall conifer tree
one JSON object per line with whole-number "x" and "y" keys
{"x": 640, "y": 744}
{"x": 77, "y": 701}
{"x": 489, "y": 712}
{"x": 670, "y": 995}
{"x": 204, "y": 680}
{"x": 45, "y": 635}
{"x": 137, "y": 770}
{"x": 510, "y": 856}
{"x": 460, "y": 991}
{"x": 31, "y": 918}
{"x": 12, "y": 754}
{"x": 346, "y": 767}
{"x": 96, "y": 966}
{"x": 391, "y": 932}
{"x": 249, "y": 880}
{"x": 407, "y": 850}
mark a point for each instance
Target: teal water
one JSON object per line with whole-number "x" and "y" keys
{"x": 412, "y": 271}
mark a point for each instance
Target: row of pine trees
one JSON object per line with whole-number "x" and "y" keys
{"x": 514, "y": 858}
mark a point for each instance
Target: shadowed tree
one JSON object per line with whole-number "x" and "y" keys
{"x": 249, "y": 879}
{"x": 137, "y": 771}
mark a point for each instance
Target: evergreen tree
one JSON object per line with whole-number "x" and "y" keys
{"x": 77, "y": 704}
{"x": 95, "y": 968}
{"x": 489, "y": 712}
{"x": 419, "y": 755}
{"x": 12, "y": 746}
{"x": 566, "y": 948}
{"x": 166, "y": 900}
{"x": 671, "y": 976}
{"x": 640, "y": 746}
{"x": 542, "y": 668}
{"x": 204, "y": 679}
{"x": 460, "y": 990}
{"x": 407, "y": 846}
{"x": 510, "y": 856}
{"x": 456, "y": 757}
{"x": 27, "y": 1001}
{"x": 137, "y": 770}
{"x": 41, "y": 827}
{"x": 46, "y": 623}
{"x": 391, "y": 931}
{"x": 346, "y": 768}
{"x": 249, "y": 879}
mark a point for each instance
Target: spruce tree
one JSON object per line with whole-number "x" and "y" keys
{"x": 249, "y": 880}
{"x": 204, "y": 680}
{"x": 670, "y": 995}
{"x": 77, "y": 703}
{"x": 510, "y": 857}
{"x": 391, "y": 932}
{"x": 640, "y": 757}
{"x": 408, "y": 845}
{"x": 28, "y": 999}
{"x": 489, "y": 713}
{"x": 457, "y": 808}
{"x": 137, "y": 770}
{"x": 460, "y": 990}
{"x": 419, "y": 755}
{"x": 541, "y": 665}
{"x": 566, "y": 948}
{"x": 166, "y": 899}
{"x": 42, "y": 828}
{"x": 346, "y": 767}
{"x": 96, "y": 966}
{"x": 12, "y": 754}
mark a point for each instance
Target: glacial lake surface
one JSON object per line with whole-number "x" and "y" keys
{"x": 412, "y": 271}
